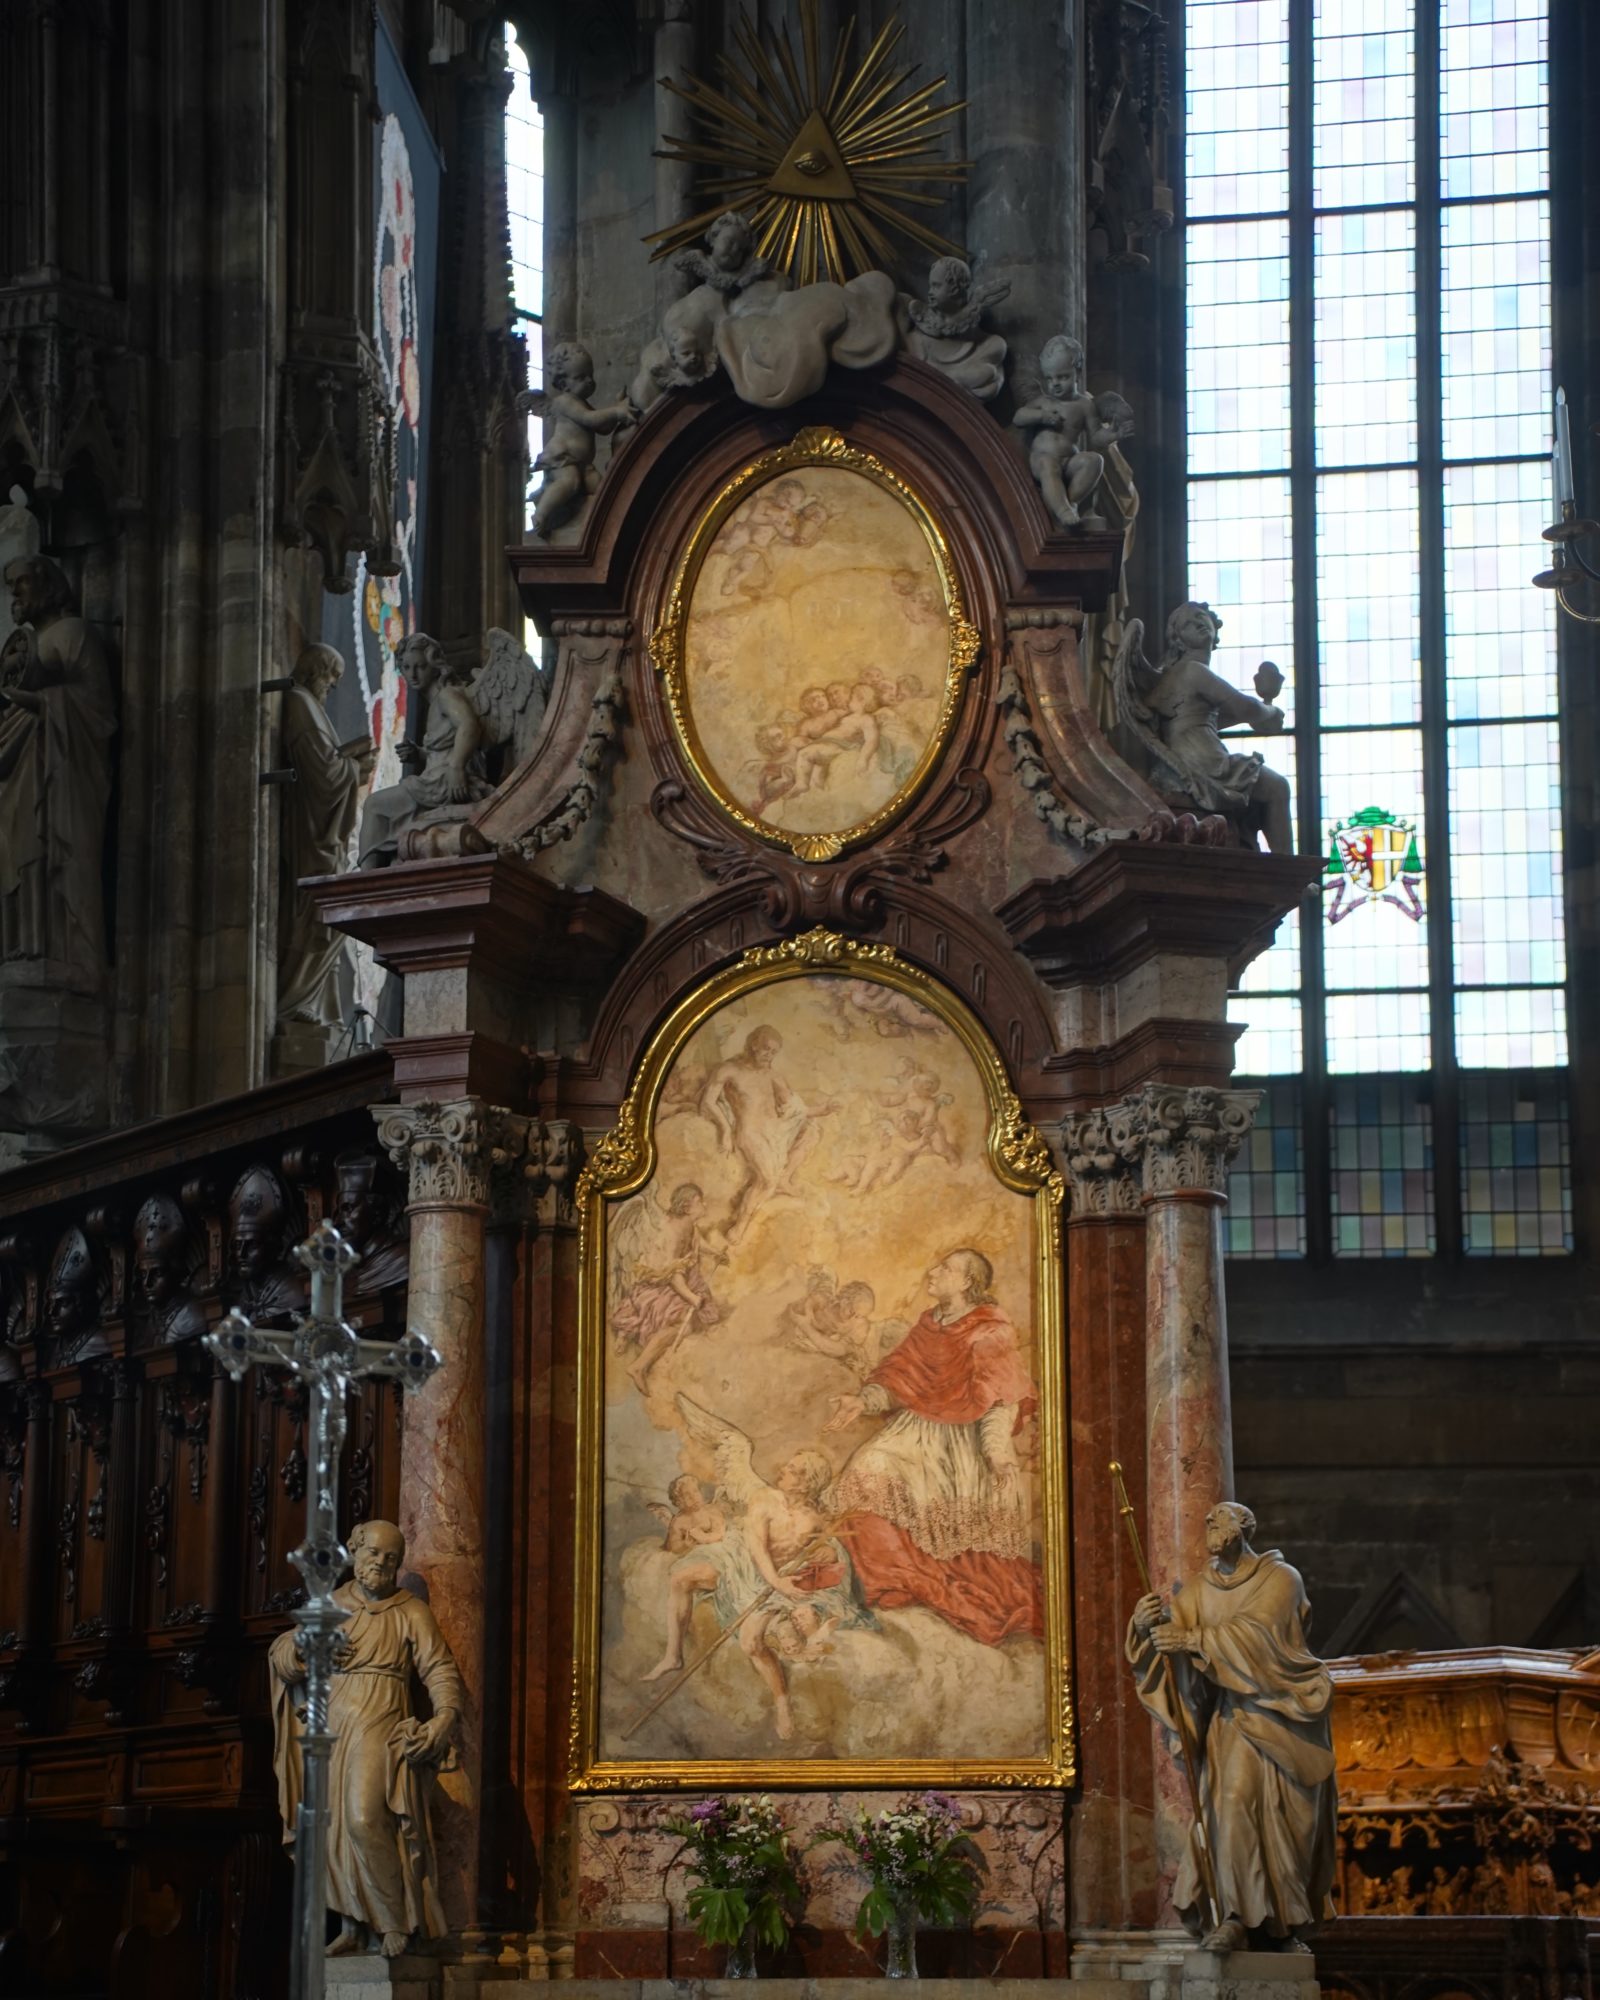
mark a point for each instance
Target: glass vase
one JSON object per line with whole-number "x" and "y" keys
{"x": 900, "y": 1955}
{"x": 742, "y": 1956}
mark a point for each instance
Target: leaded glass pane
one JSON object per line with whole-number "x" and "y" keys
{"x": 1267, "y": 1185}
{"x": 1270, "y": 1044}
{"x": 524, "y": 128}
{"x": 1366, "y": 338}
{"x": 1500, "y": 635}
{"x": 1361, "y": 107}
{"x": 1238, "y": 332}
{"x": 1384, "y": 1030}
{"x": 1511, "y": 1028}
{"x": 1367, "y": 588}
{"x": 1381, "y": 1154}
{"x": 1516, "y": 1184}
{"x": 1237, "y": 112}
{"x": 1493, "y": 102}
{"x": 1241, "y": 563}
{"x": 1505, "y": 854}
{"x": 1496, "y": 329}
{"x": 1277, "y": 970}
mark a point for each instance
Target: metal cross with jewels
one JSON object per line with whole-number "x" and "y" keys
{"x": 326, "y": 1354}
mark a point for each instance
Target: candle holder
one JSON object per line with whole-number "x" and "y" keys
{"x": 1570, "y": 569}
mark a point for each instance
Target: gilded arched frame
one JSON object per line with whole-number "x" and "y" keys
{"x": 606, "y": 1725}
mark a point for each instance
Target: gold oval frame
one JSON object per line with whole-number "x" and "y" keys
{"x": 620, "y": 1164}
{"x": 816, "y": 445}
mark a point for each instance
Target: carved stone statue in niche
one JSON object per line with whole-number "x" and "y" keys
{"x": 1178, "y": 710}
{"x": 382, "y": 1874}
{"x": 19, "y": 538}
{"x": 319, "y": 814}
{"x": 775, "y": 342}
{"x": 1071, "y": 434}
{"x": 74, "y": 1301}
{"x": 57, "y": 721}
{"x": 474, "y": 719}
{"x": 261, "y": 1280}
{"x": 1259, "y": 1704}
{"x": 572, "y": 423}
{"x": 166, "y": 1257}
{"x": 947, "y": 330}
{"x": 1129, "y": 196}
{"x": 372, "y": 1223}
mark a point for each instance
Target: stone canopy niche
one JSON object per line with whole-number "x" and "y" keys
{"x": 818, "y": 745}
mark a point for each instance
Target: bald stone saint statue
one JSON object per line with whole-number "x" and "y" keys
{"x": 1259, "y": 1708}
{"x": 382, "y": 1877}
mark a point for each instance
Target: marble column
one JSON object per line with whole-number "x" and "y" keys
{"x": 449, "y": 1153}
{"x": 1113, "y": 1872}
{"x": 1189, "y": 1136}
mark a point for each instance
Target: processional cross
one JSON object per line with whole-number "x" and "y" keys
{"x": 326, "y": 1354}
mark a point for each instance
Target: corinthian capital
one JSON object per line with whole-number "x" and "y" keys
{"x": 1190, "y": 1134}
{"x": 449, "y": 1152}
{"x": 1103, "y": 1150}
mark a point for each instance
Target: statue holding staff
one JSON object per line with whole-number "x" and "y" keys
{"x": 1224, "y": 1665}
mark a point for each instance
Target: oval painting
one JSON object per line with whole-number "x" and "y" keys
{"x": 816, "y": 657}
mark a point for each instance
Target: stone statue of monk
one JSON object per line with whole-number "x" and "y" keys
{"x": 382, "y": 1877}
{"x": 1259, "y": 1707}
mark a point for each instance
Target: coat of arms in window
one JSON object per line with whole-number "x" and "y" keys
{"x": 1373, "y": 858}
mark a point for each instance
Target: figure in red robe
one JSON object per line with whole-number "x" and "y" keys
{"x": 935, "y": 1507}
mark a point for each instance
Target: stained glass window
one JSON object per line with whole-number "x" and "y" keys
{"x": 1369, "y": 326}
{"x": 524, "y": 142}
{"x": 1267, "y": 1186}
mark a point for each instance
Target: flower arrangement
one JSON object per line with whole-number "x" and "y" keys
{"x": 744, "y": 1876}
{"x": 921, "y": 1866}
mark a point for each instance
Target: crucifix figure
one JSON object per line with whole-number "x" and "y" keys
{"x": 327, "y": 1355}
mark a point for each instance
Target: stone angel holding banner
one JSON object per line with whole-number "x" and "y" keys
{"x": 479, "y": 725}
{"x": 778, "y": 1577}
{"x": 1178, "y": 710}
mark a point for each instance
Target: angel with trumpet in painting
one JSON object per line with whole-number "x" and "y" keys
{"x": 1178, "y": 711}
{"x": 778, "y": 1579}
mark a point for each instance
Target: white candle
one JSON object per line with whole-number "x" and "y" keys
{"x": 1563, "y": 458}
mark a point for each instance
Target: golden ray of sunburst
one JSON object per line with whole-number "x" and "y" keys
{"x": 823, "y": 165}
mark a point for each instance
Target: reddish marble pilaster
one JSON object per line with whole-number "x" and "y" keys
{"x": 1112, "y": 1873}
{"x": 449, "y": 1151}
{"x": 1189, "y": 1138}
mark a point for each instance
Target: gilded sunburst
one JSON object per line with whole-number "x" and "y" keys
{"x": 826, "y": 164}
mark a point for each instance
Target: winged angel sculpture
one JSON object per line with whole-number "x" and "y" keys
{"x": 479, "y": 725}
{"x": 775, "y": 1575}
{"x": 1178, "y": 711}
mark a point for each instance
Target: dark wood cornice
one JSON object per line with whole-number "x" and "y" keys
{"x": 1131, "y": 902}
{"x": 486, "y": 913}
{"x": 188, "y": 1136}
{"x": 1157, "y": 1051}
{"x": 464, "y": 1065}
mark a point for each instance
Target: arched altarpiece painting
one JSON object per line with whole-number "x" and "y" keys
{"x": 821, "y": 1179}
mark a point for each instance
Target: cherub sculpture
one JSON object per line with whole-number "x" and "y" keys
{"x": 682, "y": 354}
{"x": 472, "y": 717}
{"x": 729, "y": 263}
{"x": 947, "y": 329}
{"x": 572, "y": 425}
{"x": 1072, "y": 431}
{"x": 1177, "y": 711}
